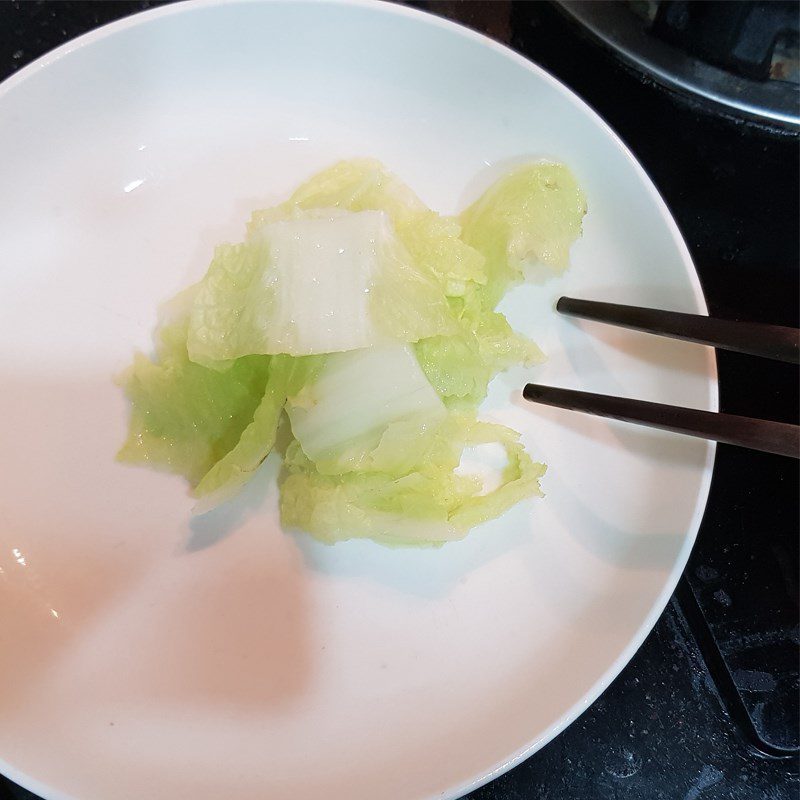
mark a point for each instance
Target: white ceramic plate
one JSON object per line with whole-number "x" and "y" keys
{"x": 145, "y": 655}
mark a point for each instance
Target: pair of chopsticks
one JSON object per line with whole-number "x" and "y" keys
{"x": 768, "y": 341}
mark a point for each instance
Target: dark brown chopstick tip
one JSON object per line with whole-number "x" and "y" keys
{"x": 758, "y": 434}
{"x": 532, "y": 391}
{"x": 754, "y": 338}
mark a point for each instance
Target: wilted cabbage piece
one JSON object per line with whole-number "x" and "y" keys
{"x": 186, "y": 417}
{"x": 370, "y": 321}
{"x": 356, "y": 395}
{"x": 532, "y": 214}
{"x": 314, "y": 283}
{"x": 226, "y": 477}
{"x": 390, "y": 501}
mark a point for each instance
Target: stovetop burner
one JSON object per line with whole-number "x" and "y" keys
{"x": 741, "y": 56}
{"x": 755, "y": 39}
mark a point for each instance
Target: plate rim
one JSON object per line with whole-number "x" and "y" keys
{"x": 423, "y": 17}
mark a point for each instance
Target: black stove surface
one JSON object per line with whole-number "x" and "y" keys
{"x": 708, "y": 708}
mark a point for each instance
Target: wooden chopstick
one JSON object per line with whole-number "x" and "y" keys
{"x": 757, "y": 434}
{"x": 769, "y": 341}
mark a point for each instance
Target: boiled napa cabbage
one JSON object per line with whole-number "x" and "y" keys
{"x": 533, "y": 214}
{"x": 365, "y": 326}
{"x": 363, "y": 184}
{"x": 185, "y": 417}
{"x": 286, "y": 377}
{"x": 429, "y": 504}
{"x": 356, "y": 395}
{"x": 313, "y": 283}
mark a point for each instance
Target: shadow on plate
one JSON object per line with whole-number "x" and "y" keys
{"x": 234, "y": 633}
{"x": 422, "y": 572}
{"x": 206, "y": 530}
{"x": 656, "y": 352}
{"x": 668, "y": 448}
